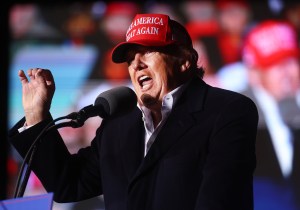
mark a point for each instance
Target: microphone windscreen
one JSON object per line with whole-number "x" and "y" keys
{"x": 117, "y": 101}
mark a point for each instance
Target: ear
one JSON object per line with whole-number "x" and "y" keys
{"x": 186, "y": 65}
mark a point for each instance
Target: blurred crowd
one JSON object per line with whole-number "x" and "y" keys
{"x": 251, "y": 47}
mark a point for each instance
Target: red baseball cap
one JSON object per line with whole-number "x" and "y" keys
{"x": 269, "y": 42}
{"x": 153, "y": 30}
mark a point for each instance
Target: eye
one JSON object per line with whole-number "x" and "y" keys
{"x": 128, "y": 61}
{"x": 129, "y": 57}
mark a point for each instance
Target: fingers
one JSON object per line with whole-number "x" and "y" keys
{"x": 22, "y": 77}
{"x": 43, "y": 76}
{"x": 46, "y": 76}
{"x": 32, "y": 73}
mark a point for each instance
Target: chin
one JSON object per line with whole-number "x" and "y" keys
{"x": 149, "y": 101}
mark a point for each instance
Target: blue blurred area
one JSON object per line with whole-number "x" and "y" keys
{"x": 274, "y": 196}
{"x": 70, "y": 66}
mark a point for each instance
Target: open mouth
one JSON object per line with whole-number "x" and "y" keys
{"x": 145, "y": 82}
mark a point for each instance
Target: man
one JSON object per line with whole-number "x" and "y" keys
{"x": 271, "y": 55}
{"x": 186, "y": 145}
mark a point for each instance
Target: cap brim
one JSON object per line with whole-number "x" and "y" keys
{"x": 119, "y": 51}
{"x": 279, "y": 56}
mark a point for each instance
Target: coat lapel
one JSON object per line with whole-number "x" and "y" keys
{"x": 132, "y": 143}
{"x": 179, "y": 121}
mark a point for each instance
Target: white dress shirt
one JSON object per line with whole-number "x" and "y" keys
{"x": 280, "y": 133}
{"x": 167, "y": 104}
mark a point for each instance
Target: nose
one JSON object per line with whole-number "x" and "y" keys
{"x": 137, "y": 63}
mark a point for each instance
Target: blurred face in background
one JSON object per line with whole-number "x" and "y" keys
{"x": 21, "y": 19}
{"x": 282, "y": 79}
{"x": 116, "y": 26}
{"x": 234, "y": 18}
{"x": 117, "y": 18}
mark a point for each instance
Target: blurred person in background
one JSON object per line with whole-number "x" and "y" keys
{"x": 234, "y": 18}
{"x": 202, "y": 24}
{"x": 291, "y": 12}
{"x": 79, "y": 25}
{"x": 218, "y": 29}
{"x": 26, "y": 22}
{"x": 271, "y": 56}
{"x": 200, "y": 18}
{"x": 160, "y": 7}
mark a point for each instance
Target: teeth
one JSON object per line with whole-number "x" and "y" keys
{"x": 143, "y": 80}
{"x": 145, "y": 86}
{"x": 143, "y": 77}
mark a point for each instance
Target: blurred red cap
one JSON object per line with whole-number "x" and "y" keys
{"x": 270, "y": 42}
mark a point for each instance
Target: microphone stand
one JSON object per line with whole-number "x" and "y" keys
{"x": 78, "y": 120}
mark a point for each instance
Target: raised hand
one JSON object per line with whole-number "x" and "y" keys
{"x": 37, "y": 93}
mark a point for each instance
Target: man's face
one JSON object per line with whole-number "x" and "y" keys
{"x": 282, "y": 80}
{"x": 152, "y": 75}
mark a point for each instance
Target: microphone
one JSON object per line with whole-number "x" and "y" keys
{"x": 110, "y": 103}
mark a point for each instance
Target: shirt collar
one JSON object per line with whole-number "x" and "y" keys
{"x": 168, "y": 100}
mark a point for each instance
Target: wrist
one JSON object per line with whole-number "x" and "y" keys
{"x": 25, "y": 126}
{"x": 33, "y": 117}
